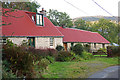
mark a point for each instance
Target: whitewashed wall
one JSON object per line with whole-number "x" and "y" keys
{"x": 44, "y": 42}
{"x": 17, "y": 40}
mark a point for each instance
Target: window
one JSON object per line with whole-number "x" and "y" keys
{"x": 51, "y": 41}
{"x": 94, "y": 45}
{"x": 4, "y": 40}
{"x": 33, "y": 18}
{"x": 39, "y": 19}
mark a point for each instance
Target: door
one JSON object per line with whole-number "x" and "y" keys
{"x": 31, "y": 41}
{"x": 65, "y": 46}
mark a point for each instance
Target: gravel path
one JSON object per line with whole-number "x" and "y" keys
{"x": 110, "y": 72}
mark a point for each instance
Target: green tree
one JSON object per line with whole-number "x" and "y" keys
{"x": 29, "y": 6}
{"x": 107, "y": 29}
{"x": 60, "y": 18}
{"x": 81, "y": 24}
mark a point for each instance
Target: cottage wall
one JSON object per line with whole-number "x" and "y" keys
{"x": 17, "y": 40}
{"x": 93, "y": 48}
{"x": 45, "y": 42}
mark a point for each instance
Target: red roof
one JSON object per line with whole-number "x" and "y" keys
{"x": 75, "y": 35}
{"x": 22, "y": 25}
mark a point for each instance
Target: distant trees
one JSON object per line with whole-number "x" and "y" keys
{"x": 29, "y": 6}
{"x": 60, "y": 18}
{"x": 106, "y": 28}
{"x": 81, "y": 24}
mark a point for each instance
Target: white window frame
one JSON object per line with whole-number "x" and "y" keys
{"x": 51, "y": 41}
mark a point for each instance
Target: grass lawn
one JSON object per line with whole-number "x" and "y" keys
{"x": 81, "y": 69}
{"x": 100, "y": 55}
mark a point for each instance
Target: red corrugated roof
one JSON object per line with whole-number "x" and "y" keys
{"x": 22, "y": 25}
{"x": 75, "y": 35}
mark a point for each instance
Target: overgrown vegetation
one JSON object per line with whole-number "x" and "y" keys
{"x": 25, "y": 61}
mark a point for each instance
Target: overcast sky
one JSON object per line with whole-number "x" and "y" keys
{"x": 83, "y": 7}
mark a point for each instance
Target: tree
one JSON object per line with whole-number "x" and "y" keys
{"x": 107, "y": 29}
{"x": 60, "y": 18}
{"x": 81, "y": 24}
{"x": 29, "y": 6}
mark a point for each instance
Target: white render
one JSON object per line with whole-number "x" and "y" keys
{"x": 18, "y": 40}
{"x": 44, "y": 42}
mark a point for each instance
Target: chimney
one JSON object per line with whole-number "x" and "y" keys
{"x": 43, "y": 12}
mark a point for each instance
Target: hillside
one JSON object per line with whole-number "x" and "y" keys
{"x": 96, "y": 18}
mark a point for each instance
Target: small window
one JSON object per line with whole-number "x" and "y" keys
{"x": 94, "y": 45}
{"x": 33, "y": 18}
{"x": 39, "y": 18}
{"x": 4, "y": 40}
{"x": 51, "y": 41}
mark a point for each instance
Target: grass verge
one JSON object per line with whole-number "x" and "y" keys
{"x": 82, "y": 69}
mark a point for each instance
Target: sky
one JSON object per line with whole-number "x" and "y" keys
{"x": 81, "y": 7}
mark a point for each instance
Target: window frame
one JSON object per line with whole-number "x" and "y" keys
{"x": 51, "y": 41}
{"x": 39, "y": 24}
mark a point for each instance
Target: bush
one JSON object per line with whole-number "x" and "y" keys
{"x": 24, "y": 61}
{"x": 51, "y": 59}
{"x": 77, "y": 58}
{"x": 85, "y": 55}
{"x": 115, "y": 51}
{"x": 102, "y": 51}
{"x": 87, "y": 47}
{"x": 64, "y": 56}
{"x": 6, "y": 72}
{"x": 59, "y": 48}
{"x": 19, "y": 59}
{"x": 52, "y": 52}
{"x": 78, "y": 49}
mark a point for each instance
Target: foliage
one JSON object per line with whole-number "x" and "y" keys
{"x": 81, "y": 24}
{"x": 107, "y": 29}
{"x": 25, "y": 61}
{"x": 85, "y": 55}
{"x": 20, "y": 60}
{"x": 102, "y": 51}
{"x": 64, "y": 56}
{"x": 6, "y": 72}
{"x": 77, "y": 58}
{"x": 60, "y": 18}
{"x": 115, "y": 51}
{"x": 78, "y": 49}
{"x": 51, "y": 59}
{"x": 87, "y": 47}
{"x": 29, "y": 6}
{"x": 59, "y": 48}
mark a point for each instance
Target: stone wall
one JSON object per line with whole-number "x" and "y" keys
{"x": 44, "y": 42}
{"x": 17, "y": 40}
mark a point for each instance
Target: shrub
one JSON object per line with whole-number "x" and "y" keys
{"x": 64, "y": 56}
{"x": 52, "y": 52}
{"x": 77, "y": 58}
{"x": 87, "y": 47}
{"x": 115, "y": 51}
{"x": 59, "y": 48}
{"x": 19, "y": 59}
{"x": 78, "y": 49}
{"x": 102, "y": 51}
{"x": 51, "y": 59}
{"x": 6, "y": 72}
{"x": 85, "y": 55}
